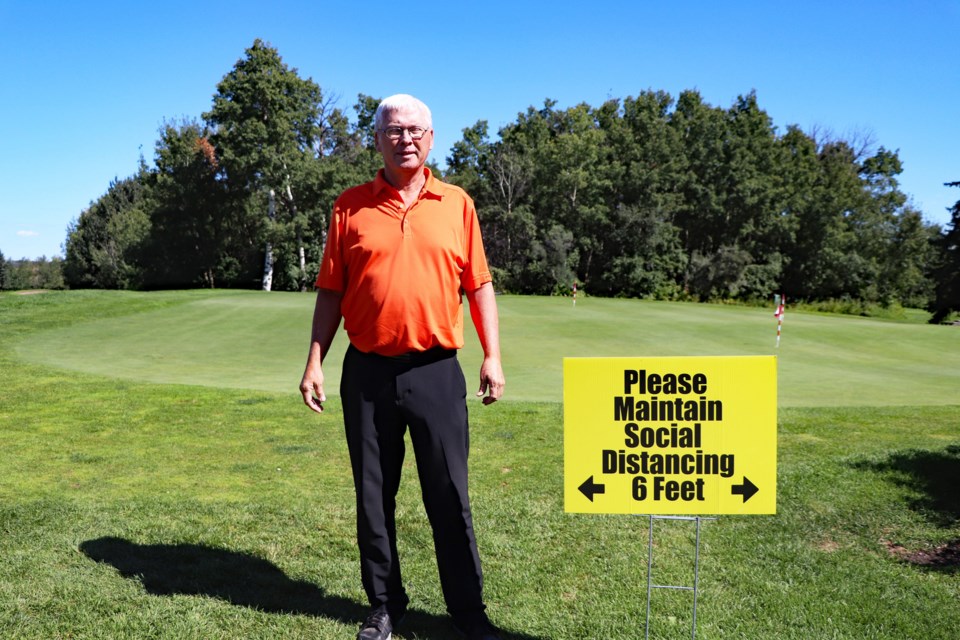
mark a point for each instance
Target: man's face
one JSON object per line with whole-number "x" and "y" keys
{"x": 404, "y": 155}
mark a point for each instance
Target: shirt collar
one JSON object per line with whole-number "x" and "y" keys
{"x": 432, "y": 188}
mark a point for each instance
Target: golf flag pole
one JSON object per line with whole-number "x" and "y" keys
{"x": 574, "y": 293}
{"x": 778, "y": 301}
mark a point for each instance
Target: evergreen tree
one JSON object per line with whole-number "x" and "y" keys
{"x": 946, "y": 274}
{"x": 198, "y": 235}
{"x": 103, "y": 244}
{"x": 267, "y": 128}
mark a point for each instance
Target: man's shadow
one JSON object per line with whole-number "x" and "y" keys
{"x": 244, "y": 580}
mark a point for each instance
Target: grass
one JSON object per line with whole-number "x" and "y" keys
{"x": 134, "y": 508}
{"x": 256, "y": 341}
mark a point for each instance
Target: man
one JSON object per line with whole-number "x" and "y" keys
{"x": 400, "y": 252}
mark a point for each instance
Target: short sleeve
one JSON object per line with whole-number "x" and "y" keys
{"x": 331, "y": 275}
{"x": 476, "y": 272}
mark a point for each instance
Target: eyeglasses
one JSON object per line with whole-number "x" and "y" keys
{"x": 395, "y": 133}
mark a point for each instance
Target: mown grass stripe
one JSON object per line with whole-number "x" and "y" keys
{"x": 257, "y": 341}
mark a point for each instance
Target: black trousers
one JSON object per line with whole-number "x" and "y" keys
{"x": 383, "y": 397}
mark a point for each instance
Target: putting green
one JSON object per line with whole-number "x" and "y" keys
{"x": 255, "y": 340}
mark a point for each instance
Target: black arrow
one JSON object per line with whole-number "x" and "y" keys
{"x": 588, "y": 488}
{"x": 747, "y": 489}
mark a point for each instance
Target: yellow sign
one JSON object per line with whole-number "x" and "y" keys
{"x": 670, "y": 436}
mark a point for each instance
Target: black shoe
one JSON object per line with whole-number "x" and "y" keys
{"x": 478, "y": 629}
{"x": 378, "y": 625}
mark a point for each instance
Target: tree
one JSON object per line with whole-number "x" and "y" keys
{"x": 702, "y": 132}
{"x": 498, "y": 177}
{"x": 198, "y": 234}
{"x": 908, "y": 258}
{"x": 825, "y": 259}
{"x": 647, "y": 256}
{"x": 643, "y": 254}
{"x": 893, "y": 236}
{"x": 732, "y": 191}
{"x": 350, "y": 159}
{"x": 551, "y": 168}
{"x": 946, "y": 273}
{"x": 468, "y": 160}
{"x": 50, "y": 273}
{"x": 103, "y": 243}
{"x": 3, "y": 272}
{"x": 754, "y": 199}
{"x": 267, "y": 127}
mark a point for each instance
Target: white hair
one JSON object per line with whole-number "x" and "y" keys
{"x": 401, "y": 102}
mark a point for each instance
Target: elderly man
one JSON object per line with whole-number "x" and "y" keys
{"x": 400, "y": 252}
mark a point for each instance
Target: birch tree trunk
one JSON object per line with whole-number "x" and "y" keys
{"x": 303, "y": 265}
{"x": 268, "y": 254}
{"x": 300, "y": 250}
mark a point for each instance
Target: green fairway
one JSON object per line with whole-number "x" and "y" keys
{"x": 170, "y": 484}
{"x": 257, "y": 341}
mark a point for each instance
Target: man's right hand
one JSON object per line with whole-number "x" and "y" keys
{"x": 311, "y": 386}
{"x": 326, "y": 319}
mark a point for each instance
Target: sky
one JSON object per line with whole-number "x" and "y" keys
{"x": 87, "y": 85}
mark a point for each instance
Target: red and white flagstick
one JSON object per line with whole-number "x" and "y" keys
{"x": 779, "y": 301}
{"x": 574, "y": 293}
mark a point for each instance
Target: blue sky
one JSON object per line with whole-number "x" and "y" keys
{"x": 87, "y": 84}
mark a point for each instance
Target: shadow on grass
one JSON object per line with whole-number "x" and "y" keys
{"x": 932, "y": 476}
{"x": 243, "y": 580}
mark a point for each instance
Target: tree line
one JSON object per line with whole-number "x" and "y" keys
{"x": 24, "y": 274}
{"x": 646, "y": 196}
{"x": 651, "y": 197}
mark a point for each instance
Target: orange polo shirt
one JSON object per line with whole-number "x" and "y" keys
{"x": 401, "y": 273}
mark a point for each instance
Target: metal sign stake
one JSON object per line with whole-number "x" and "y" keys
{"x": 696, "y": 570}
